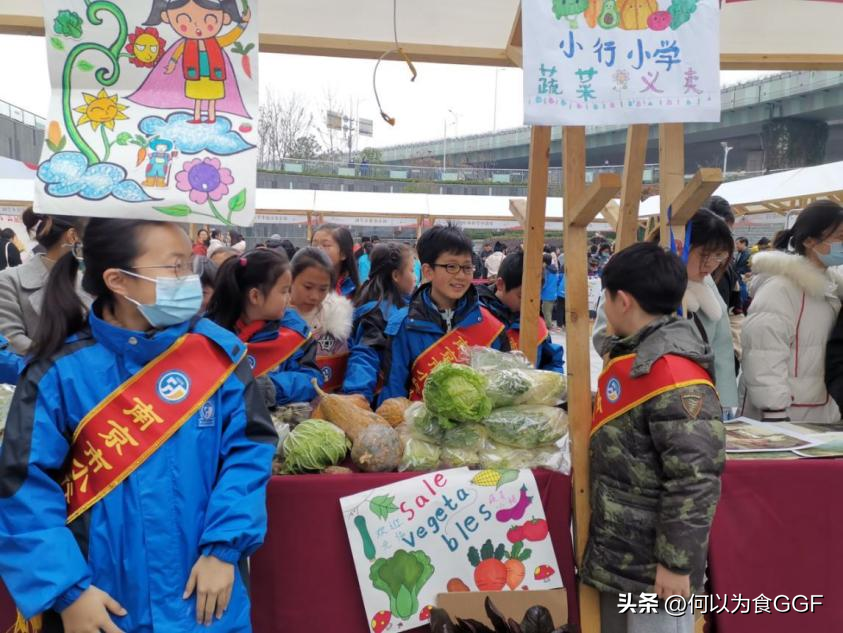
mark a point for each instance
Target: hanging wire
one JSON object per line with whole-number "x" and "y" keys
{"x": 398, "y": 49}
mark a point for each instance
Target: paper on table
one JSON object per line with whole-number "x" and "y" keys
{"x": 750, "y": 436}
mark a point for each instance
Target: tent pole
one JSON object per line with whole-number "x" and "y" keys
{"x": 672, "y": 174}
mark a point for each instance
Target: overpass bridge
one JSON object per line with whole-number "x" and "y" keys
{"x": 777, "y": 122}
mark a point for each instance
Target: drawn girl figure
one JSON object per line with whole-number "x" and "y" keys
{"x": 196, "y": 71}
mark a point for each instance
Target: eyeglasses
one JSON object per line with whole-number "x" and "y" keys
{"x": 453, "y": 269}
{"x": 717, "y": 259}
{"x": 182, "y": 269}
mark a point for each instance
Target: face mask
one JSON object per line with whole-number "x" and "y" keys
{"x": 834, "y": 257}
{"x": 176, "y": 300}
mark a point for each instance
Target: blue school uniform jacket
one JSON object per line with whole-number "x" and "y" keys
{"x": 560, "y": 287}
{"x": 346, "y": 287}
{"x": 550, "y": 285}
{"x": 550, "y": 355}
{"x": 415, "y": 328}
{"x": 369, "y": 348}
{"x": 201, "y": 493}
{"x": 364, "y": 265}
{"x": 11, "y": 364}
{"x": 292, "y": 378}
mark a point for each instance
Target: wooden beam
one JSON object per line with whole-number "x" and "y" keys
{"x": 633, "y": 177}
{"x": 578, "y": 364}
{"x": 514, "y": 46}
{"x": 694, "y": 195}
{"x": 672, "y": 170}
{"x": 593, "y": 200}
{"x": 610, "y": 214}
{"x": 518, "y": 209}
{"x": 534, "y": 240}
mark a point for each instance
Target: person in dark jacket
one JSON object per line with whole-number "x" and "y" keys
{"x": 657, "y": 446}
{"x": 388, "y": 289}
{"x": 9, "y": 253}
{"x": 444, "y": 314}
{"x": 503, "y": 299}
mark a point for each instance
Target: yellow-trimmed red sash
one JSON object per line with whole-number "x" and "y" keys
{"x": 447, "y": 349}
{"x": 264, "y": 356}
{"x": 618, "y": 392}
{"x": 514, "y": 335}
{"x": 128, "y": 426}
{"x": 333, "y": 370}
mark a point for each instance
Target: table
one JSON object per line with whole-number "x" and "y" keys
{"x": 303, "y": 578}
{"x": 778, "y": 530}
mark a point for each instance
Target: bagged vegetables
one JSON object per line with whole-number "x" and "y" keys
{"x": 485, "y": 359}
{"x": 456, "y": 393}
{"x": 471, "y": 437}
{"x": 312, "y": 446}
{"x": 527, "y": 426}
{"x": 423, "y": 423}
{"x": 458, "y": 457}
{"x": 495, "y": 456}
{"x": 418, "y": 453}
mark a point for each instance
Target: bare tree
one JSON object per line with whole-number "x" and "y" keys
{"x": 282, "y": 121}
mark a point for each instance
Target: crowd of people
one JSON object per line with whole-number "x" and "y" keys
{"x": 119, "y": 333}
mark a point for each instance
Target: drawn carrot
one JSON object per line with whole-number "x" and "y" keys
{"x": 141, "y": 156}
{"x": 489, "y": 570}
{"x": 515, "y": 571}
{"x": 245, "y": 60}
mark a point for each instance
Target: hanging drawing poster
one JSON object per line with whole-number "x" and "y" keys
{"x": 453, "y": 530}
{"x": 599, "y": 62}
{"x": 151, "y": 115}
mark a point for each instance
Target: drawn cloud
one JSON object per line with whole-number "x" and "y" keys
{"x": 217, "y": 138}
{"x": 68, "y": 174}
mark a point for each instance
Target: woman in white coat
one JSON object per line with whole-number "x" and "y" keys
{"x": 796, "y": 299}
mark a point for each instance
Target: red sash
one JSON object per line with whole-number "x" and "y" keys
{"x": 126, "y": 428}
{"x": 190, "y": 61}
{"x": 447, "y": 349}
{"x": 618, "y": 392}
{"x": 514, "y": 335}
{"x": 333, "y": 370}
{"x": 264, "y": 356}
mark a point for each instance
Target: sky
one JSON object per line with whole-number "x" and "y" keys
{"x": 459, "y": 98}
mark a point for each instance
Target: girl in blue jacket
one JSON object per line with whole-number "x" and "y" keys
{"x": 161, "y": 546}
{"x": 251, "y": 299}
{"x": 338, "y": 244}
{"x": 391, "y": 282}
{"x": 550, "y": 286}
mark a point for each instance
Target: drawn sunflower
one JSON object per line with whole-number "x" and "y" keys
{"x": 102, "y": 109}
{"x": 145, "y": 47}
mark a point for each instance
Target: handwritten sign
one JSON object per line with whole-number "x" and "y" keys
{"x": 593, "y": 62}
{"x": 454, "y": 530}
{"x": 152, "y": 110}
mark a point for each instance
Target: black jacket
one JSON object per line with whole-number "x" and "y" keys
{"x": 9, "y": 255}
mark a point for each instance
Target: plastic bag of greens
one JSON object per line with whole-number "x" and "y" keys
{"x": 458, "y": 457}
{"x": 508, "y": 387}
{"x": 471, "y": 437}
{"x": 546, "y": 387}
{"x": 313, "y": 446}
{"x": 456, "y": 393}
{"x": 422, "y": 423}
{"x": 556, "y": 457}
{"x": 485, "y": 359}
{"x": 418, "y": 454}
{"x": 527, "y": 426}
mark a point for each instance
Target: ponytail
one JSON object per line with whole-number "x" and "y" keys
{"x": 781, "y": 242}
{"x": 385, "y": 259}
{"x": 64, "y": 312}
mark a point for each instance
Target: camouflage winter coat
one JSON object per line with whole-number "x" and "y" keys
{"x": 655, "y": 473}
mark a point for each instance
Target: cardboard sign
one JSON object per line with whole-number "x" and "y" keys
{"x": 152, "y": 109}
{"x": 453, "y": 530}
{"x": 597, "y": 62}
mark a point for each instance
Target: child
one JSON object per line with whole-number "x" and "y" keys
{"x": 251, "y": 298}
{"x": 207, "y": 271}
{"x": 328, "y": 314}
{"x": 338, "y": 245}
{"x": 657, "y": 446}
{"x": 444, "y": 314}
{"x": 550, "y": 285}
{"x": 503, "y": 299}
{"x": 559, "y": 310}
{"x": 137, "y": 449}
{"x": 388, "y": 289}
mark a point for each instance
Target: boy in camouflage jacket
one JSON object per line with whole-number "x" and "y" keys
{"x": 657, "y": 446}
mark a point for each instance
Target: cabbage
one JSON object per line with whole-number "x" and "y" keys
{"x": 456, "y": 393}
{"x": 527, "y": 426}
{"x": 424, "y": 425}
{"x": 313, "y": 446}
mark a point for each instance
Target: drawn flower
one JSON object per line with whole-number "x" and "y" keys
{"x": 204, "y": 179}
{"x": 68, "y": 23}
{"x": 102, "y": 109}
{"x": 145, "y": 47}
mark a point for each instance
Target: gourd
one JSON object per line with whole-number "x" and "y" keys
{"x": 377, "y": 449}
{"x": 392, "y": 410}
{"x": 350, "y": 418}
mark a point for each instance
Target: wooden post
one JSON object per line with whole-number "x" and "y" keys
{"x": 694, "y": 195}
{"x": 633, "y": 177}
{"x": 534, "y": 240}
{"x": 672, "y": 168}
{"x": 579, "y": 357}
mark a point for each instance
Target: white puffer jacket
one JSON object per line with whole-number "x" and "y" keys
{"x": 794, "y": 309}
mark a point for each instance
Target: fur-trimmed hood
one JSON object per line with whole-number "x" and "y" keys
{"x": 814, "y": 281}
{"x": 701, "y": 296}
{"x": 335, "y": 317}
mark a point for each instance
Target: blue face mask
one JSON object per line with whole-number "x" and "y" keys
{"x": 176, "y": 300}
{"x": 834, "y": 257}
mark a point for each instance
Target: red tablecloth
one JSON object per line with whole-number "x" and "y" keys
{"x": 303, "y": 578}
{"x": 779, "y": 531}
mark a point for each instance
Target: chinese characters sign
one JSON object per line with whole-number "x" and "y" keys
{"x": 152, "y": 110}
{"x": 454, "y": 530}
{"x": 595, "y": 62}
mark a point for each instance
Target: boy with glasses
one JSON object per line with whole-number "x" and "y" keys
{"x": 444, "y": 315}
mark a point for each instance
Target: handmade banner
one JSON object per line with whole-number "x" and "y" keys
{"x": 596, "y": 62}
{"x": 453, "y": 530}
{"x": 152, "y": 109}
